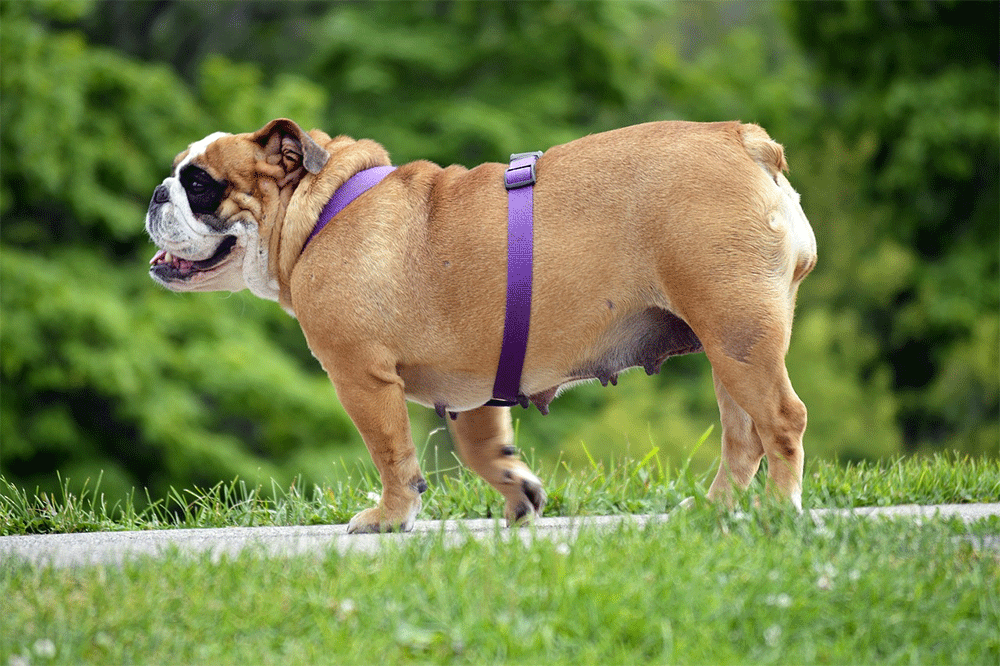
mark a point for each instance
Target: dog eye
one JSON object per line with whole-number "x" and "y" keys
{"x": 196, "y": 180}
{"x": 204, "y": 192}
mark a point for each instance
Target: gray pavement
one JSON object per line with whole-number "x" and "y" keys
{"x": 64, "y": 550}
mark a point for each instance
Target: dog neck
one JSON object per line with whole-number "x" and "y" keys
{"x": 353, "y": 188}
{"x": 348, "y": 158}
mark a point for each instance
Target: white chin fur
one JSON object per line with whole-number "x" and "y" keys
{"x": 256, "y": 263}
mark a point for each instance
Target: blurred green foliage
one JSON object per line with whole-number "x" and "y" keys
{"x": 888, "y": 112}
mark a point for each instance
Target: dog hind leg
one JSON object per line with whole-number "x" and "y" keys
{"x": 742, "y": 449}
{"x": 484, "y": 440}
{"x": 761, "y": 389}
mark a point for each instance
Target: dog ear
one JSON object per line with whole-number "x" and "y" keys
{"x": 284, "y": 139}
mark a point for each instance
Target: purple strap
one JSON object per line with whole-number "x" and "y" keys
{"x": 353, "y": 188}
{"x": 519, "y": 180}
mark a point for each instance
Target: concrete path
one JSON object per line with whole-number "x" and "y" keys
{"x": 64, "y": 550}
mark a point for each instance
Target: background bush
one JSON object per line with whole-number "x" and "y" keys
{"x": 888, "y": 112}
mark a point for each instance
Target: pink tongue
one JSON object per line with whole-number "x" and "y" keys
{"x": 157, "y": 257}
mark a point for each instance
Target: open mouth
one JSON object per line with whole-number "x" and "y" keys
{"x": 168, "y": 267}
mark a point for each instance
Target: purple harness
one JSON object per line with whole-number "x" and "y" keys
{"x": 519, "y": 181}
{"x": 353, "y": 188}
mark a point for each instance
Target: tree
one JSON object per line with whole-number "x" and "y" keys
{"x": 893, "y": 145}
{"x": 915, "y": 83}
{"x": 100, "y": 373}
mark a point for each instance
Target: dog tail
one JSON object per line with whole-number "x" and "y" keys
{"x": 771, "y": 157}
{"x": 765, "y": 151}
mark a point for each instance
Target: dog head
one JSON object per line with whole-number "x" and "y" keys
{"x": 213, "y": 219}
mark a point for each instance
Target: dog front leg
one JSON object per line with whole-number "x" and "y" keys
{"x": 372, "y": 394}
{"x": 484, "y": 439}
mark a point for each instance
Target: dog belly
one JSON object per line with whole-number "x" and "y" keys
{"x": 644, "y": 339}
{"x": 443, "y": 390}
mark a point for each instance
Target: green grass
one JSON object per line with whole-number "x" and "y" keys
{"x": 764, "y": 585}
{"x": 640, "y": 486}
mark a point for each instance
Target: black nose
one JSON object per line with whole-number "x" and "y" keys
{"x": 161, "y": 195}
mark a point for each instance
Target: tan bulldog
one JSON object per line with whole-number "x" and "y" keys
{"x": 649, "y": 241}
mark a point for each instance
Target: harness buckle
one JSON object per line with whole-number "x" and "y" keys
{"x": 521, "y": 172}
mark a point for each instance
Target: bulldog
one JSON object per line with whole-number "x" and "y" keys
{"x": 649, "y": 241}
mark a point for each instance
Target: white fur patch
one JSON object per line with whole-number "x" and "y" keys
{"x": 198, "y": 148}
{"x": 528, "y": 476}
{"x": 801, "y": 239}
{"x": 796, "y": 499}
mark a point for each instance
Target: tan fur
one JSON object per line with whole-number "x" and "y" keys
{"x": 403, "y": 294}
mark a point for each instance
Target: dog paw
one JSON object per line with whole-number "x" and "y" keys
{"x": 525, "y": 497}
{"x": 378, "y": 519}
